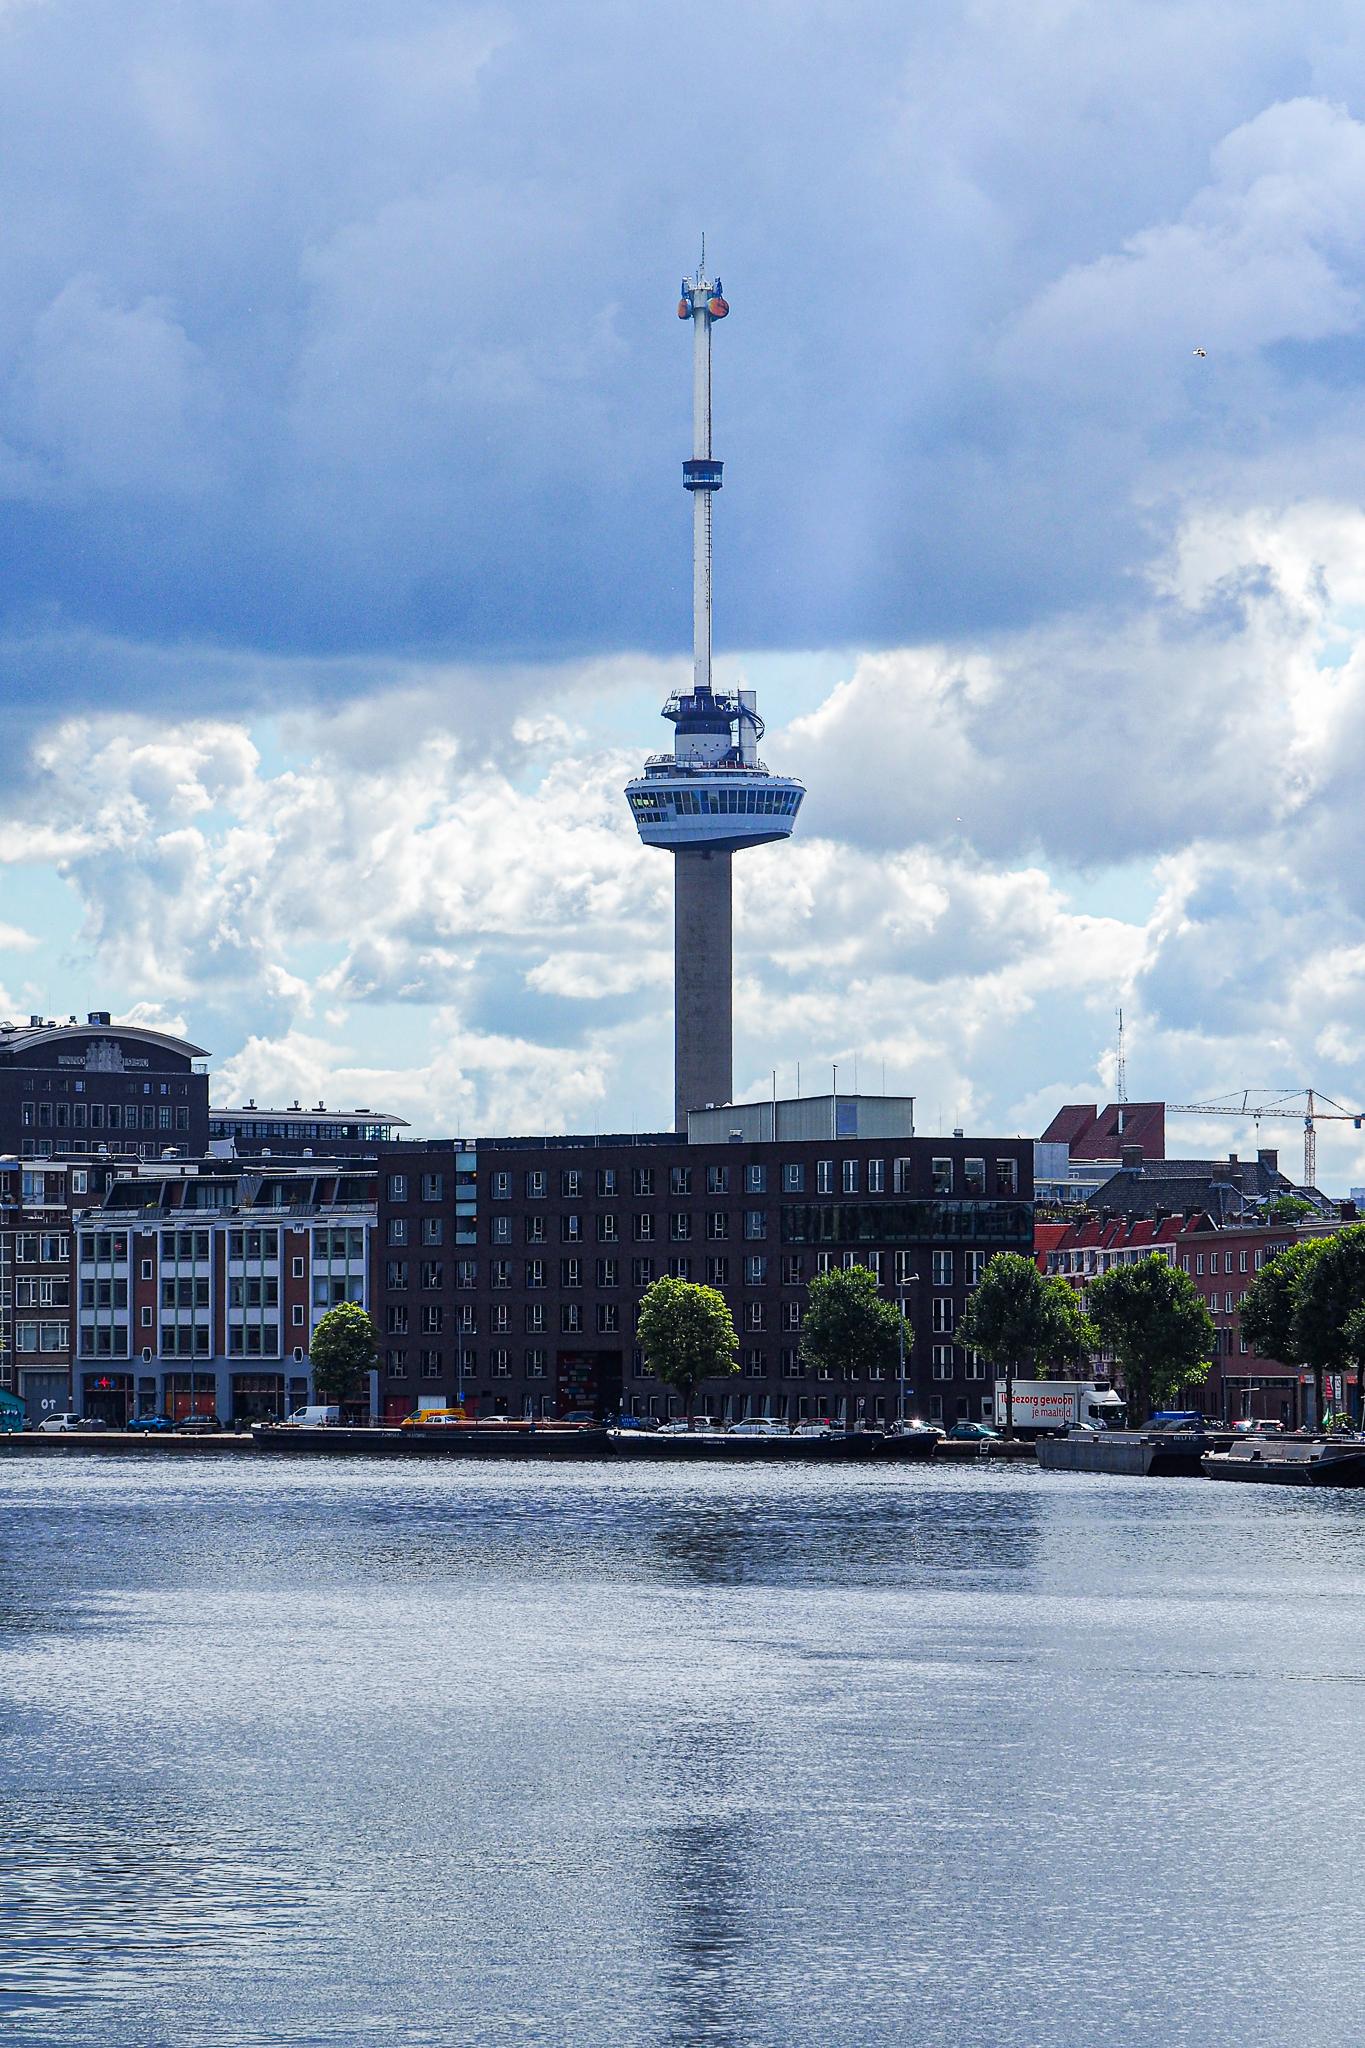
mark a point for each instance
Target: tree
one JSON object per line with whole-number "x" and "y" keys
{"x": 687, "y": 1335}
{"x": 1013, "y": 1319}
{"x": 1070, "y": 1336}
{"x": 344, "y": 1349}
{"x": 849, "y": 1330}
{"x": 1287, "y": 1209}
{"x": 1327, "y": 1329}
{"x": 1270, "y": 1322}
{"x": 1153, "y": 1319}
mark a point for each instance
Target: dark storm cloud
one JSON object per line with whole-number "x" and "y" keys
{"x": 329, "y": 332}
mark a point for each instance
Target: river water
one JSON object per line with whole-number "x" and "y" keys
{"x": 434, "y": 1754}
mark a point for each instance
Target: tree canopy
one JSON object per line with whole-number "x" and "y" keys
{"x": 1306, "y": 1306}
{"x": 848, "y": 1329}
{"x": 1152, "y": 1317}
{"x": 1014, "y": 1317}
{"x": 687, "y": 1335}
{"x": 345, "y": 1347}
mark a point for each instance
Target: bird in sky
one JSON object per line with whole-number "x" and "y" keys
{"x": 1201, "y": 351}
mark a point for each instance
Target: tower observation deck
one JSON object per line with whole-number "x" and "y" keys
{"x": 712, "y": 795}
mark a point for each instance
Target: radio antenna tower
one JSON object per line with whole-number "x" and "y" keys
{"x": 1121, "y": 1067}
{"x": 712, "y": 795}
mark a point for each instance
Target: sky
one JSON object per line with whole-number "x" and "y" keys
{"x": 346, "y": 566}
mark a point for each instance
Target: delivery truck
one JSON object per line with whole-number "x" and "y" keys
{"x": 1047, "y": 1407}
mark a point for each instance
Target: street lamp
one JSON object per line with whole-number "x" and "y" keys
{"x": 910, "y": 1279}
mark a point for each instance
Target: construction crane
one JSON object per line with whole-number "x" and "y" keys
{"x": 1297, "y": 1104}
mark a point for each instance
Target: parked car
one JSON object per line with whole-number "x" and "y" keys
{"x": 759, "y": 1425}
{"x": 197, "y": 1425}
{"x": 972, "y": 1433}
{"x": 1255, "y": 1425}
{"x": 423, "y": 1416}
{"x": 579, "y": 1415}
{"x": 58, "y": 1425}
{"x": 814, "y": 1429}
{"x": 150, "y": 1422}
{"x": 912, "y": 1426}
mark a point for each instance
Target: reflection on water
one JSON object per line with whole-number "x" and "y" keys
{"x": 804, "y": 1757}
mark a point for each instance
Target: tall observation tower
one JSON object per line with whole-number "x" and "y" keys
{"x": 712, "y": 795}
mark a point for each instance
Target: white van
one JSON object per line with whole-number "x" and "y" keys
{"x": 313, "y": 1418}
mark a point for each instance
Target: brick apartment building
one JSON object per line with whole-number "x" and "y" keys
{"x": 198, "y": 1284}
{"x": 1222, "y": 1259}
{"x": 509, "y": 1272}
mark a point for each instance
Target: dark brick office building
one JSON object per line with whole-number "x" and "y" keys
{"x": 72, "y": 1090}
{"x": 508, "y": 1272}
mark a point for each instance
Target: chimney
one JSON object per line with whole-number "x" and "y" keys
{"x": 1131, "y": 1157}
{"x": 1270, "y": 1161}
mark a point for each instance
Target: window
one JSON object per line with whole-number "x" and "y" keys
{"x": 608, "y": 1318}
{"x": 608, "y": 1272}
{"x": 500, "y": 1364}
{"x": 535, "y": 1365}
{"x": 974, "y": 1176}
{"x": 396, "y": 1319}
{"x": 396, "y": 1364}
{"x": 876, "y": 1176}
{"x": 432, "y": 1187}
{"x": 791, "y": 1363}
{"x": 755, "y": 1225}
{"x": 607, "y": 1231}
{"x": 717, "y": 1225}
{"x": 1007, "y": 1176}
{"x": 431, "y": 1365}
{"x": 755, "y": 1180}
{"x": 850, "y": 1177}
{"x": 943, "y": 1313}
{"x": 825, "y": 1262}
{"x": 296, "y": 1315}
{"x": 973, "y": 1266}
{"x": 398, "y": 1187}
{"x": 873, "y": 1262}
{"x": 717, "y": 1180}
{"x": 432, "y": 1317}
{"x": 942, "y": 1362}
{"x": 535, "y": 1317}
{"x": 941, "y": 1173}
{"x": 535, "y": 1274}
{"x": 502, "y": 1317}
{"x": 905, "y": 1268}
{"x": 433, "y": 1274}
{"x": 642, "y": 1272}
{"x": 433, "y": 1230}
{"x": 571, "y": 1229}
{"x": 718, "y": 1272}
{"x": 466, "y": 1272}
{"x": 1241, "y": 1262}
{"x": 606, "y": 1182}
{"x": 753, "y": 1364}
{"x": 976, "y": 1366}
{"x": 791, "y": 1315}
{"x": 1199, "y": 1262}
{"x": 942, "y": 1263}
{"x": 1227, "y": 1262}
{"x": 793, "y": 1178}
{"x": 502, "y": 1187}
{"x": 469, "y": 1318}
{"x": 680, "y": 1180}
{"x": 642, "y": 1182}
{"x": 680, "y": 1268}
{"x": 296, "y": 1269}
{"x": 903, "y": 1176}
{"x": 398, "y": 1230}
{"x": 502, "y": 1230}
{"x": 536, "y": 1182}
{"x": 756, "y": 1269}
{"x": 500, "y": 1273}
{"x": 571, "y": 1272}
{"x": 680, "y": 1226}
{"x": 145, "y": 1269}
{"x": 571, "y": 1318}
{"x": 754, "y": 1314}
{"x": 571, "y": 1184}
{"x": 145, "y": 1317}
{"x": 824, "y": 1176}
{"x": 793, "y": 1269}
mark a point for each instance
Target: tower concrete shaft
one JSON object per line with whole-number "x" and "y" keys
{"x": 703, "y": 981}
